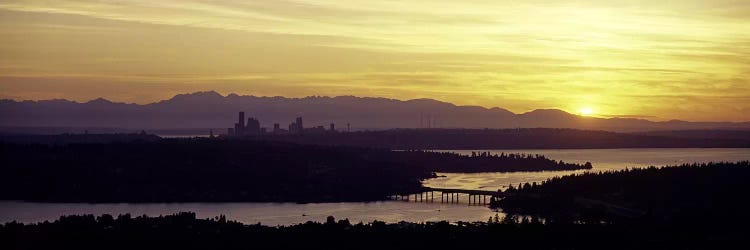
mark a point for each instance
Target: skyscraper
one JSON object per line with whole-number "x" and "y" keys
{"x": 299, "y": 124}
{"x": 239, "y": 130}
{"x": 253, "y": 126}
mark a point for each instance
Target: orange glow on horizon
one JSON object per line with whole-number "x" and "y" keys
{"x": 659, "y": 59}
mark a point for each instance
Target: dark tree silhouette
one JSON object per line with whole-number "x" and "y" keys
{"x": 210, "y": 169}
{"x": 185, "y": 231}
{"x": 689, "y": 192}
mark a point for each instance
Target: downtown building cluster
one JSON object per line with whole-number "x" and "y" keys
{"x": 252, "y": 126}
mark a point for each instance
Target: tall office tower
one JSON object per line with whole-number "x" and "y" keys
{"x": 276, "y": 128}
{"x": 299, "y": 124}
{"x": 253, "y": 126}
{"x": 333, "y": 127}
{"x": 241, "y": 124}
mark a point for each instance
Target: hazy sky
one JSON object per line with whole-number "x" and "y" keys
{"x": 657, "y": 59}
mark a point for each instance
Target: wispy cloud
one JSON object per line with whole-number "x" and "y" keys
{"x": 687, "y": 59}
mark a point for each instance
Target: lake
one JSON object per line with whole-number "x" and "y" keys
{"x": 388, "y": 211}
{"x": 602, "y": 159}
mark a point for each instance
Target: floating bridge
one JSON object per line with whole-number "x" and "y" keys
{"x": 451, "y": 195}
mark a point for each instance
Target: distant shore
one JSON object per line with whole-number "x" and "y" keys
{"x": 432, "y": 139}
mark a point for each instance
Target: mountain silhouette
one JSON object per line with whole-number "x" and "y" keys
{"x": 213, "y": 110}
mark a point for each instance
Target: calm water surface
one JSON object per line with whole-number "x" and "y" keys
{"x": 266, "y": 213}
{"x": 389, "y": 211}
{"x": 602, "y": 160}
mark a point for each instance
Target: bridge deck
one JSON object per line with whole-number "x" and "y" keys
{"x": 464, "y": 191}
{"x": 452, "y": 195}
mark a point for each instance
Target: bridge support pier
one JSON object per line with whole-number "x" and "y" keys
{"x": 453, "y": 196}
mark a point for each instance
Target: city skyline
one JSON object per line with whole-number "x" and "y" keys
{"x": 655, "y": 59}
{"x": 253, "y": 126}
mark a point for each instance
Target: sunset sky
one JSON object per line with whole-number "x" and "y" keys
{"x": 655, "y": 59}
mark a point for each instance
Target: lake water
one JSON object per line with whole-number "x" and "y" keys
{"x": 389, "y": 211}
{"x": 602, "y": 160}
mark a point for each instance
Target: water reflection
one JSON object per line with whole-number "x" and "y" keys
{"x": 602, "y": 159}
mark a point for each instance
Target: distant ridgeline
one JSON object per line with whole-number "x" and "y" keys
{"x": 217, "y": 169}
{"x": 694, "y": 193}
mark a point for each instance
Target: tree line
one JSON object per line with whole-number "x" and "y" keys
{"x": 215, "y": 169}
{"x": 186, "y": 231}
{"x": 696, "y": 193}
{"x": 451, "y": 162}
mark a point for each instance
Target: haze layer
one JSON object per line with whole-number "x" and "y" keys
{"x": 659, "y": 60}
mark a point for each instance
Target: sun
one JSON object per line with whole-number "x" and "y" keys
{"x": 587, "y": 111}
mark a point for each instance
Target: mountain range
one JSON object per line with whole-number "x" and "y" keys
{"x": 213, "y": 110}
